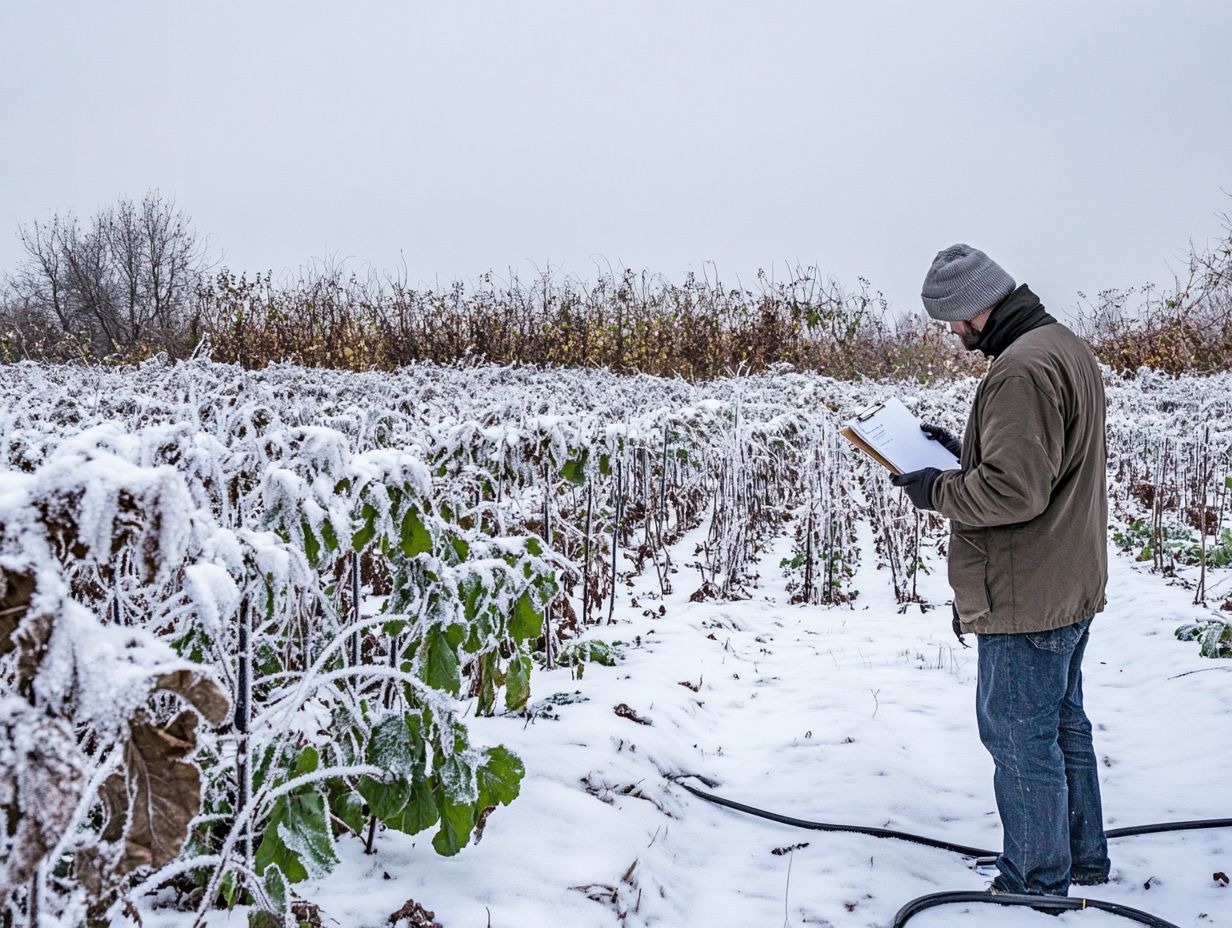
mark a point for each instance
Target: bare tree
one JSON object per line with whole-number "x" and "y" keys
{"x": 41, "y": 280}
{"x": 123, "y": 281}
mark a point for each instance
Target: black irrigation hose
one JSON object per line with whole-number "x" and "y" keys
{"x": 1157, "y": 828}
{"x": 1169, "y": 826}
{"x": 1039, "y": 903}
{"x": 826, "y": 826}
{"x": 981, "y": 856}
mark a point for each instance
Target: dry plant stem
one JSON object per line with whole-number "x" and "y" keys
{"x": 1200, "y": 592}
{"x": 787, "y": 889}
{"x": 611, "y": 609}
{"x": 808, "y": 559}
{"x": 243, "y": 710}
{"x": 547, "y": 539}
{"x": 36, "y": 887}
{"x": 356, "y": 603}
{"x": 915, "y": 560}
{"x": 390, "y": 686}
{"x": 370, "y": 843}
{"x": 828, "y": 594}
{"x": 663, "y": 482}
{"x": 590, "y": 510}
{"x": 1158, "y": 510}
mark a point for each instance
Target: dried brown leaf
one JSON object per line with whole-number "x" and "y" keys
{"x": 114, "y": 794}
{"x": 626, "y": 712}
{"x": 200, "y": 690}
{"x": 306, "y": 914}
{"x": 413, "y": 915}
{"x": 481, "y": 823}
{"x": 15, "y": 593}
{"x": 164, "y": 790}
{"x": 92, "y": 868}
{"x": 31, "y": 640}
{"x": 42, "y": 787}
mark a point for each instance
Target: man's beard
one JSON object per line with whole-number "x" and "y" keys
{"x": 969, "y": 335}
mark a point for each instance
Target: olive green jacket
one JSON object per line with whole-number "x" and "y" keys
{"x": 1029, "y": 508}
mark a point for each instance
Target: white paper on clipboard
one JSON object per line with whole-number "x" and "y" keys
{"x": 894, "y": 434}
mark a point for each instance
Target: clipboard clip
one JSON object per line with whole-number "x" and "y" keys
{"x": 870, "y": 412}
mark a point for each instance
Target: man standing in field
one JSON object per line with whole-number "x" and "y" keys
{"x": 1027, "y": 562}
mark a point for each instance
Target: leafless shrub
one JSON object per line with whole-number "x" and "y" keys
{"x": 120, "y": 285}
{"x": 1184, "y": 329}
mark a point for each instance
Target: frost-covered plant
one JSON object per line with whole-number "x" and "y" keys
{"x": 352, "y": 556}
{"x": 238, "y": 566}
{"x": 1214, "y": 637}
{"x": 1170, "y": 482}
{"x": 98, "y": 778}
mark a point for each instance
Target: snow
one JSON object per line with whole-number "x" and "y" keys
{"x": 214, "y": 594}
{"x": 859, "y": 715}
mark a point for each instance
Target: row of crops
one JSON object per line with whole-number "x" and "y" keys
{"x": 244, "y": 615}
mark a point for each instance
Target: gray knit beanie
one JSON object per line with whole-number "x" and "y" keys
{"x": 962, "y": 283}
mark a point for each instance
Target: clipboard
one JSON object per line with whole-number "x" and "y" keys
{"x": 849, "y": 433}
{"x": 889, "y": 434}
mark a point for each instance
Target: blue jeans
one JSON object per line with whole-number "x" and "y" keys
{"x": 1029, "y": 708}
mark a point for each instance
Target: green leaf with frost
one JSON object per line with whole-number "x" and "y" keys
{"x": 457, "y": 821}
{"x": 396, "y": 744}
{"x": 328, "y": 536}
{"x": 385, "y": 799}
{"x": 414, "y": 537}
{"x": 439, "y": 668}
{"x": 457, "y": 779}
{"x": 349, "y": 808}
{"x": 229, "y": 890}
{"x": 527, "y": 621}
{"x": 297, "y": 838}
{"x": 312, "y": 547}
{"x": 308, "y": 761}
{"x": 421, "y": 812}
{"x": 275, "y": 885}
{"x": 363, "y": 537}
{"x": 574, "y": 470}
{"x": 259, "y": 918}
{"x": 517, "y": 682}
{"x": 581, "y": 652}
{"x": 488, "y": 682}
{"x": 500, "y": 777}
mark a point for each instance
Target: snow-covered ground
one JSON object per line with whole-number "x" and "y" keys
{"x": 859, "y": 714}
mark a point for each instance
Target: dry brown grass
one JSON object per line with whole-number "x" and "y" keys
{"x": 634, "y": 322}
{"x": 1186, "y": 329}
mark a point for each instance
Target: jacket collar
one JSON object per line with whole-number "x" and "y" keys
{"x": 1017, "y": 314}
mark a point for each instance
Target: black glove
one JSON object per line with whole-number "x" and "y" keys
{"x": 957, "y": 626}
{"x": 945, "y": 436}
{"x": 919, "y": 485}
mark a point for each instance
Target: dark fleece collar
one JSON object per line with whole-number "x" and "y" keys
{"x": 1017, "y": 314}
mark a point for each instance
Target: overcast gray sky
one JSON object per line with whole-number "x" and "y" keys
{"x": 1082, "y": 144}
